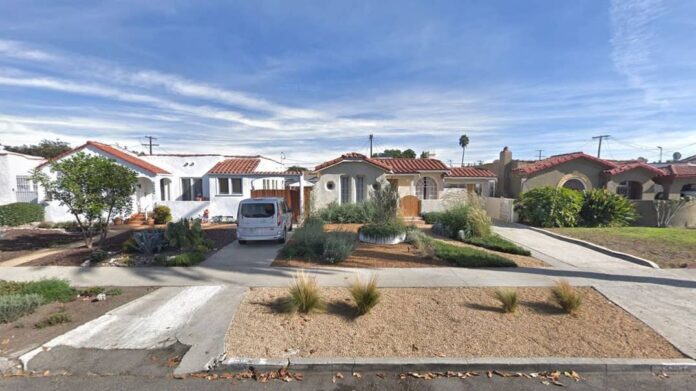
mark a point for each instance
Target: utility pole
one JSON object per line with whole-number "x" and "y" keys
{"x": 540, "y": 151}
{"x": 371, "y": 137}
{"x": 660, "y": 148}
{"x": 599, "y": 148}
{"x": 149, "y": 143}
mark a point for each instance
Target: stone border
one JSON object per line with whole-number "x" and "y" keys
{"x": 601, "y": 249}
{"x": 406, "y": 364}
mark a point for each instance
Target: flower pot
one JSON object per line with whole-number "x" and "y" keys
{"x": 118, "y": 221}
{"x": 151, "y": 221}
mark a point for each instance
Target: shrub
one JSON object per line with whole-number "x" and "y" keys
{"x": 184, "y": 234}
{"x": 114, "y": 291}
{"x": 464, "y": 221}
{"x": 508, "y": 299}
{"x": 347, "y": 213}
{"x": 566, "y": 296}
{"x": 303, "y": 295}
{"x": 146, "y": 242}
{"x": 14, "y": 306}
{"x": 91, "y": 291}
{"x": 432, "y": 217}
{"x": 11, "y": 287}
{"x": 162, "y": 214}
{"x": 160, "y": 259}
{"x": 20, "y": 213}
{"x": 385, "y": 201}
{"x": 50, "y": 290}
{"x": 53, "y": 319}
{"x": 497, "y": 243}
{"x": 366, "y": 295}
{"x": 383, "y": 230}
{"x": 201, "y": 248}
{"x": 603, "y": 209}
{"x": 190, "y": 258}
{"x": 421, "y": 241}
{"x": 549, "y": 207}
{"x": 337, "y": 246}
{"x": 307, "y": 242}
{"x": 468, "y": 257}
{"x": 98, "y": 256}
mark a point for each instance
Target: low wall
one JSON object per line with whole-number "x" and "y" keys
{"x": 501, "y": 209}
{"x": 432, "y": 206}
{"x": 648, "y": 217}
{"x": 186, "y": 209}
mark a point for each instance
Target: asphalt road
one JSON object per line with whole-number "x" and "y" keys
{"x": 367, "y": 381}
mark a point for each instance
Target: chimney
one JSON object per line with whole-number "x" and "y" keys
{"x": 503, "y": 171}
{"x": 505, "y": 156}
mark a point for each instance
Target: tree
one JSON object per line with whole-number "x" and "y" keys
{"x": 409, "y": 154}
{"x": 298, "y": 168}
{"x": 676, "y": 156}
{"x": 47, "y": 149}
{"x": 463, "y": 142}
{"x": 397, "y": 153}
{"x": 425, "y": 155}
{"x": 93, "y": 188}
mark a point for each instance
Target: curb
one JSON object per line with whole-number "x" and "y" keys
{"x": 538, "y": 364}
{"x": 601, "y": 249}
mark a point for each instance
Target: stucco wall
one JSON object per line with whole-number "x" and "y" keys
{"x": 685, "y": 218}
{"x": 641, "y": 176}
{"x": 585, "y": 170}
{"x": 322, "y": 196}
{"x": 12, "y": 165}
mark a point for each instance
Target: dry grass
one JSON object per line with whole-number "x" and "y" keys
{"x": 451, "y": 322}
{"x": 303, "y": 295}
{"x": 507, "y": 298}
{"x": 566, "y": 296}
{"x": 365, "y": 294}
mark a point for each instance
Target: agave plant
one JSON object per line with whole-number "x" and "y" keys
{"x": 148, "y": 242}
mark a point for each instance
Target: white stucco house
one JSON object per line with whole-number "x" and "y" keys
{"x": 188, "y": 184}
{"x": 15, "y": 177}
{"x": 420, "y": 182}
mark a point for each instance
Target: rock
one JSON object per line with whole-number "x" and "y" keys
{"x": 101, "y": 297}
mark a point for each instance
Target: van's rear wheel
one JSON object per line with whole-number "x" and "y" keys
{"x": 242, "y": 241}
{"x": 285, "y": 235}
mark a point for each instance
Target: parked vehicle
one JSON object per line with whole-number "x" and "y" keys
{"x": 263, "y": 219}
{"x": 689, "y": 191}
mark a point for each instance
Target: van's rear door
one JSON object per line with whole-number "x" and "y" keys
{"x": 258, "y": 214}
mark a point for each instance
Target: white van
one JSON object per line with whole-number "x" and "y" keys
{"x": 263, "y": 219}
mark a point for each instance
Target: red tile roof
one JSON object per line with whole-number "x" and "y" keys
{"x": 113, "y": 152}
{"x": 560, "y": 159}
{"x": 679, "y": 171}
{"x": 413, "y": 166}
{"x": 235, "y": 166}
{"x": 470, "y": 172}
{"x": 353, "y": 156}
{"x": 631, "y": 166}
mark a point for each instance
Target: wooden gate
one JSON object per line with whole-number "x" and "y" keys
{"x": 410, "y": 206}
{"x": 291, "y": 196}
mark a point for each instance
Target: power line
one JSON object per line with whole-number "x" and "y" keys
{"x": 599, "y": 148}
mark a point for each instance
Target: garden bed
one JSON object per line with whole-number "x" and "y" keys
{"x": 668, "y": 247}
{"x": 441, "y": 322}
{"x": 22, "y": 334}
{"x": 19, "y": 242}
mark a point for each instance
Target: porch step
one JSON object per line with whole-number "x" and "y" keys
{"x": 137, "y": 219}
{"x": 416, "y": 220}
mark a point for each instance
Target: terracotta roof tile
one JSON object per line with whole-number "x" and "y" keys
{"x": 352, "y": 156}
{"x": 560, "y": 159}
{"x": 631, "y": 166}
{"x": 679, "y": 171}
{"x": 113, "y": 152}
{"x": 413, "y": 166}
{"x": 235, "y": 166}
{"x": 470, "y": 172}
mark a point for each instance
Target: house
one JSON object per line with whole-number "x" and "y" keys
{"x": 349, "y": 178}
{"x": 634, "y": 179}
{"x": 15, "y": 177}
{"x": 189, "y": 184}
{"x": 678, "y": 180}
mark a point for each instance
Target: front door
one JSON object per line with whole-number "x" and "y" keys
{"x": 410, "y": 206}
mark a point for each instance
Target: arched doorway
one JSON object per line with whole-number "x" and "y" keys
{"x": 426, "y": 189}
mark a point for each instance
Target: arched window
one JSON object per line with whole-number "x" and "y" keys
{"x": 426, "y": 189}
{"x": 630, "y": 189}
{"x": 574, "y": 184}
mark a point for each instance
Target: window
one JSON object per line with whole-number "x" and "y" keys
{"x": 330, "y": 185}
{"x": 264, "y": 210}
{"x": 191, "y": 188}
{"x": 165, "y": 195}
{"x": 345, "y": 189}
{"x": 574, "y": 184}
{"x": 426, "y": 189}
{"x": 27, "y": 190}
{"x": 630, "y": 189}
{"x": 230, "y": 186}
{"x": 359, "y": 189}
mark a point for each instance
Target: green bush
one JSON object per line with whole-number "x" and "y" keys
{"x": 385, "y": 202}
{"x": 14, "y": 306}
{"x": 307, "y": 242}
{"x": 20, "y": 213}
{"x": 11, "y": 287}
{"x": 497, "y": 243}
{"x": 91, "y": 291}
{"x": 359, "y": 213}
{"x": 432, "y": 217}
{"x": 51, "y": 290}
{"x": 603, "y": 209}
{"x": 338, "y": 246}
{"x": 190, "y": 258}
{"x": 383, "y": 230}
{"x": 114, "y": 291}
{"x": 465, "y": 221}
{"x": 468, "y": 257}
{"x": 98, "y": 255}
{"x": 162, "y": 214}
{"x": 53, "y": 319}
{"x": 549, "y": 207}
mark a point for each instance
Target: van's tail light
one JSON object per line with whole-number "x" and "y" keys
{"x": 280, "y": 217}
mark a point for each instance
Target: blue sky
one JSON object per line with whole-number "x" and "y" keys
{"x": 314, "y": 79}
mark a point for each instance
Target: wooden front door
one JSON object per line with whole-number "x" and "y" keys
{"x": 410, "y": 206}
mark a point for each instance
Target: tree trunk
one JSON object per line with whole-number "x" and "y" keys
{"x": 463, "y": 150}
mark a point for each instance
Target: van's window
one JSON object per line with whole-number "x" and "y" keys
{"x": 258, "y": 210}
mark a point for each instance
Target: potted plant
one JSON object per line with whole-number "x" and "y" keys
{"x": 118, "y": 220}
{"x": 150, "y": 220}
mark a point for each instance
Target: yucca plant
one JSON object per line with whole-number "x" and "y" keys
{"x": 303, "y": 295}
{"x": 365, "y": 294}
{"x": 508, "y": 299}
{"x": 566, "y": 296}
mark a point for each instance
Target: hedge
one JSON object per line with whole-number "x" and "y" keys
{"x": 20, "y": 213}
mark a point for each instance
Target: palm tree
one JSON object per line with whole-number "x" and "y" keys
{"x": 463, "y": 142}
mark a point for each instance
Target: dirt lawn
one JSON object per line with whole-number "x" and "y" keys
{"x": 18, "y": 242}
{"x": 21, "y": 335}
{"x": 441, "y": 322}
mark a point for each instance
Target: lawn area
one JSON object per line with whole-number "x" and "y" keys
{"x": 441, "y": 322}
{"x": 668, "y": 247}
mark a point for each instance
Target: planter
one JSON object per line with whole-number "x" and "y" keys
{"x": 151, "y": 221}
{"x": 396, "y": 239}
{"x": 118, "y": 221}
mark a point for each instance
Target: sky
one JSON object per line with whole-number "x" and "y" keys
{"x": 311, "y": 80}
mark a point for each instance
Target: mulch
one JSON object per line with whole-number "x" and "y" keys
{"x": 18, "y": 242}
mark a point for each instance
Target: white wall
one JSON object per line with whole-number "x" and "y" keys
{"x": 12, "y": 165}
{"x": 322, "y": 196}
